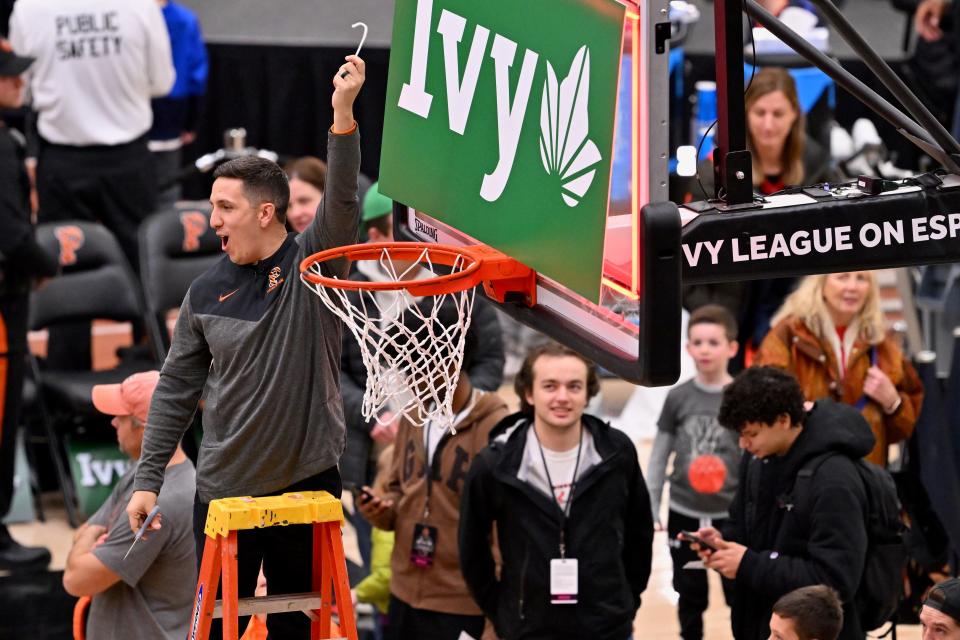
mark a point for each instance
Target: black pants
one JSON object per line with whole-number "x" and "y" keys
{"x": 285, "y": 552}
{"x": 13, "y": 351}
{"x": 690, "y": 584}
{"x": 111, "y": 185}
{"x": 407, "y": 622}
{"x": 166, "y": 169}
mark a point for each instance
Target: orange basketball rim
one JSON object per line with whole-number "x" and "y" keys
{"x": 502, "y": 276}
{"x": 413, "y": 356}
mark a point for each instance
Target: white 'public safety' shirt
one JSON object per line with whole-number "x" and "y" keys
{"x": 98, "y": 63}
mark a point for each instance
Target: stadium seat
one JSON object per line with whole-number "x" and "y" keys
{"x": 96, "y": 282}
{"x": 176, "y": 246}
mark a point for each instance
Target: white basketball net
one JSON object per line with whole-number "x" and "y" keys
{"x": 413, "y": 359}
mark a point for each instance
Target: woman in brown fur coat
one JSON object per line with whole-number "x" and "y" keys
{"x": 830, "y": 333}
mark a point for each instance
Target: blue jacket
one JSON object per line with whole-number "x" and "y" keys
{"x": 178, "y": 111}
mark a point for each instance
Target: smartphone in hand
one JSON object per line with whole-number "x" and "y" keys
{"x": 692, "y": 537}
{"x": 359, "y": 493}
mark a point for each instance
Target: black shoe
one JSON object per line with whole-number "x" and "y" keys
{"x": 16, "y": 557}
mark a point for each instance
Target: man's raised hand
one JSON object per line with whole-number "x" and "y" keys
{"x": 346, "y": 85}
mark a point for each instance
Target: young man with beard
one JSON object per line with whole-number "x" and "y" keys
{"x": 940, "y": 613}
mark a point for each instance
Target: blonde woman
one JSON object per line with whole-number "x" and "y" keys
{"x": 831, "y": 334}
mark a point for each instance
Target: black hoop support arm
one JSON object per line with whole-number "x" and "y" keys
{"x": 733, "y": 166}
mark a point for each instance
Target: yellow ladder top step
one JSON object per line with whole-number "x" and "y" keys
{"x": 307, "y": 507}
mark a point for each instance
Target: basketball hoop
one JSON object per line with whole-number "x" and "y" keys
{"x": 413, "y": 356}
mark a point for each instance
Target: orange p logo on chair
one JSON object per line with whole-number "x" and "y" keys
{"x": 194, "y": 226}
{"x": 71, "y": 239}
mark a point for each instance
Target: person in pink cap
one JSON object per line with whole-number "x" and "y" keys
{"x": 151, "y": 589}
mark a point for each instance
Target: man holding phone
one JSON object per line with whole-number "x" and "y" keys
{"x": 693, "y": 538}
{"x": 771, "y": 543}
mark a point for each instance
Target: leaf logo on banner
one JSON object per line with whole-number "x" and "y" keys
{"x": 564, "y": 122}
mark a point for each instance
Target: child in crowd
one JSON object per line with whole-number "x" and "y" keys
{"x": 807, "y": 613}
{"x": 705, "y": 456}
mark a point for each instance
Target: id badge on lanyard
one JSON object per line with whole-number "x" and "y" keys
{"x": 424, "y": 546}
{"x": 564, "y": 581}
{"x": 564, "y": 571}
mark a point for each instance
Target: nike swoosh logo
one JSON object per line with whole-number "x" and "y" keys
{"x": 227, "y": 295}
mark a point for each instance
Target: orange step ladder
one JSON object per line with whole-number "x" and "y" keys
{"x": 229, "y": 515}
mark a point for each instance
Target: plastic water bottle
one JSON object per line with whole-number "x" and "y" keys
{"x": 704, "y": 115}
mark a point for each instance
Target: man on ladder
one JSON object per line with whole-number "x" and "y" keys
{"x": 267, "y": 352}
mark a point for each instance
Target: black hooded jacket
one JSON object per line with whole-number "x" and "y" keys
{"x": 609, "y": 532}
{"x": 821, "y": 539}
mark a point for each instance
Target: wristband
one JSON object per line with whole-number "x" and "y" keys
{"x": 344, "y": 133}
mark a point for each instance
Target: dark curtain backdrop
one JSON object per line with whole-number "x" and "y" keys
{"x": 281, "y": 96}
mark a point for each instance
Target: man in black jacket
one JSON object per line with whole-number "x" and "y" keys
{"x": 773, "y": 543}
{"x": 572, "y": 512}
{"x": 21, "y": 260}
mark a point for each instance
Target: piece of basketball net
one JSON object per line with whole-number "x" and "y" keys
{"x": 413, "y": 359}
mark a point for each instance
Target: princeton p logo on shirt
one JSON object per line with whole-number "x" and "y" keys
{"x": 274, "y": 279}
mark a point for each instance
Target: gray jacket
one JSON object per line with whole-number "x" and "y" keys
{"x": 268, "y": 352}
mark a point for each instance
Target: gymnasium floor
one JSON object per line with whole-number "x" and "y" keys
{"x": 35, "y": 607}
